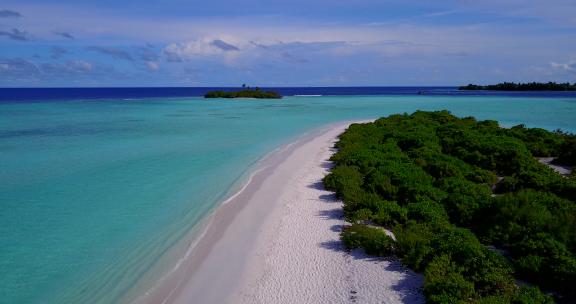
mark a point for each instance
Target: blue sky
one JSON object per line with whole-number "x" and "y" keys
{"x": 63, "y": 43}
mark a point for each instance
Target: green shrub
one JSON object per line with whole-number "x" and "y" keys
{"x": 530, "y": 295}
{"x": 413, "y": 244}
{"x": 567, "y": 152}
{"x": 361, "y": 215}
{"x": 444, "y": 282}
{"x": 374, "y": 241}
{"x": 428, "y": 212}
{"x": 390, "y": 214}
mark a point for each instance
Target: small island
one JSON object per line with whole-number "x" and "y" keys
{"x": 245, "y": 92}
{"x": 511, "y": 86}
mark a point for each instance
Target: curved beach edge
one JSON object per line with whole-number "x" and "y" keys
{"x": 277, "y": 241}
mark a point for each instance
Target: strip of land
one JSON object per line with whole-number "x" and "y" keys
{"x": 277, "y": 241}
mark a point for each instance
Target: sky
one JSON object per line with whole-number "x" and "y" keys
{"x": 111, "y": 43}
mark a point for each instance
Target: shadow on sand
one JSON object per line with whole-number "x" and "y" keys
{"x": 319, "y": 185}
{"x": 409, "y": 288}
{"x": 327, "y": 165}
{"x": 332, "y": 214}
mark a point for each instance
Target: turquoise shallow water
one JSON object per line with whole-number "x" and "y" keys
{"x": 93, "y": 192}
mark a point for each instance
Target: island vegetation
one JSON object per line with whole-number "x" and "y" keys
{"x": 531, "y": 86}
{"x": 469, "y": 205}
{"x": 244, "y": 92}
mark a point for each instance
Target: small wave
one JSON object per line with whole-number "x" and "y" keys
{"x": 308, "y": 95}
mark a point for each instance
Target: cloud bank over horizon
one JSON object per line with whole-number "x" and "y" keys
{"x": 301, "y": 43}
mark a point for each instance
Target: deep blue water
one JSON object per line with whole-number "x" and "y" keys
{"x": 46, "y": 94}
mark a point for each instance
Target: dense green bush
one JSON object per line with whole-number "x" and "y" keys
{"x": 374, "y": 241}
{"x": 389, "y": 214}
{"x": 530, "y": 295}
{"x": 531, "y": 86}
{"x": 540, "y": 142}
{"x": 430, "y": 177}
{"x": 547, "y": 262}
{"x": 445, "y": 282}
{"x": 413, "y": 244}
{"x": 244, "y": 93}
{"x": 567, "y": 152}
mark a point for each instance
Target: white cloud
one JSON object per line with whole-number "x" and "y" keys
{"x": 79, "y": 66}
{"x": 70, "y": 68}
{"x": 152, "y": 65}
{"x": 200, "y": 47}
{"x": 569, "y": 66}
{"x": 18, "y": 66}
{"x": 441, "y": 13}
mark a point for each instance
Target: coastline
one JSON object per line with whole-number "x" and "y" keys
{"x": 277, "y": 240}
{"x": 112, "y": 252}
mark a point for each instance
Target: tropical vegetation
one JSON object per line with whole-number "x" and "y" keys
{"x": 244, "y": 93}
{"x": 531, "y": 86}
{"x": 468, "y": 203}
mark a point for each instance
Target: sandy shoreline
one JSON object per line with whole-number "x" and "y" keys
{"x": 276, "y": 241}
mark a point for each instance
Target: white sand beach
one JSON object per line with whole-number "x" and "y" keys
{"x": 277, "y": 241}
{"x": 548, "y": 161}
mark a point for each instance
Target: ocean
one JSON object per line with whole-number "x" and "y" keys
{"x": 97, "y": 185}
{"x": 48, "y": 94}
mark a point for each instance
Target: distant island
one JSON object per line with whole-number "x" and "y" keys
{"x": 511, "y": 86}
{"x": 245, "y": 92}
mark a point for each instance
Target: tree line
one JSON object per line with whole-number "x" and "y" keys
{"x": 531, "y": 86}
{"x": 245, "y": 92}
